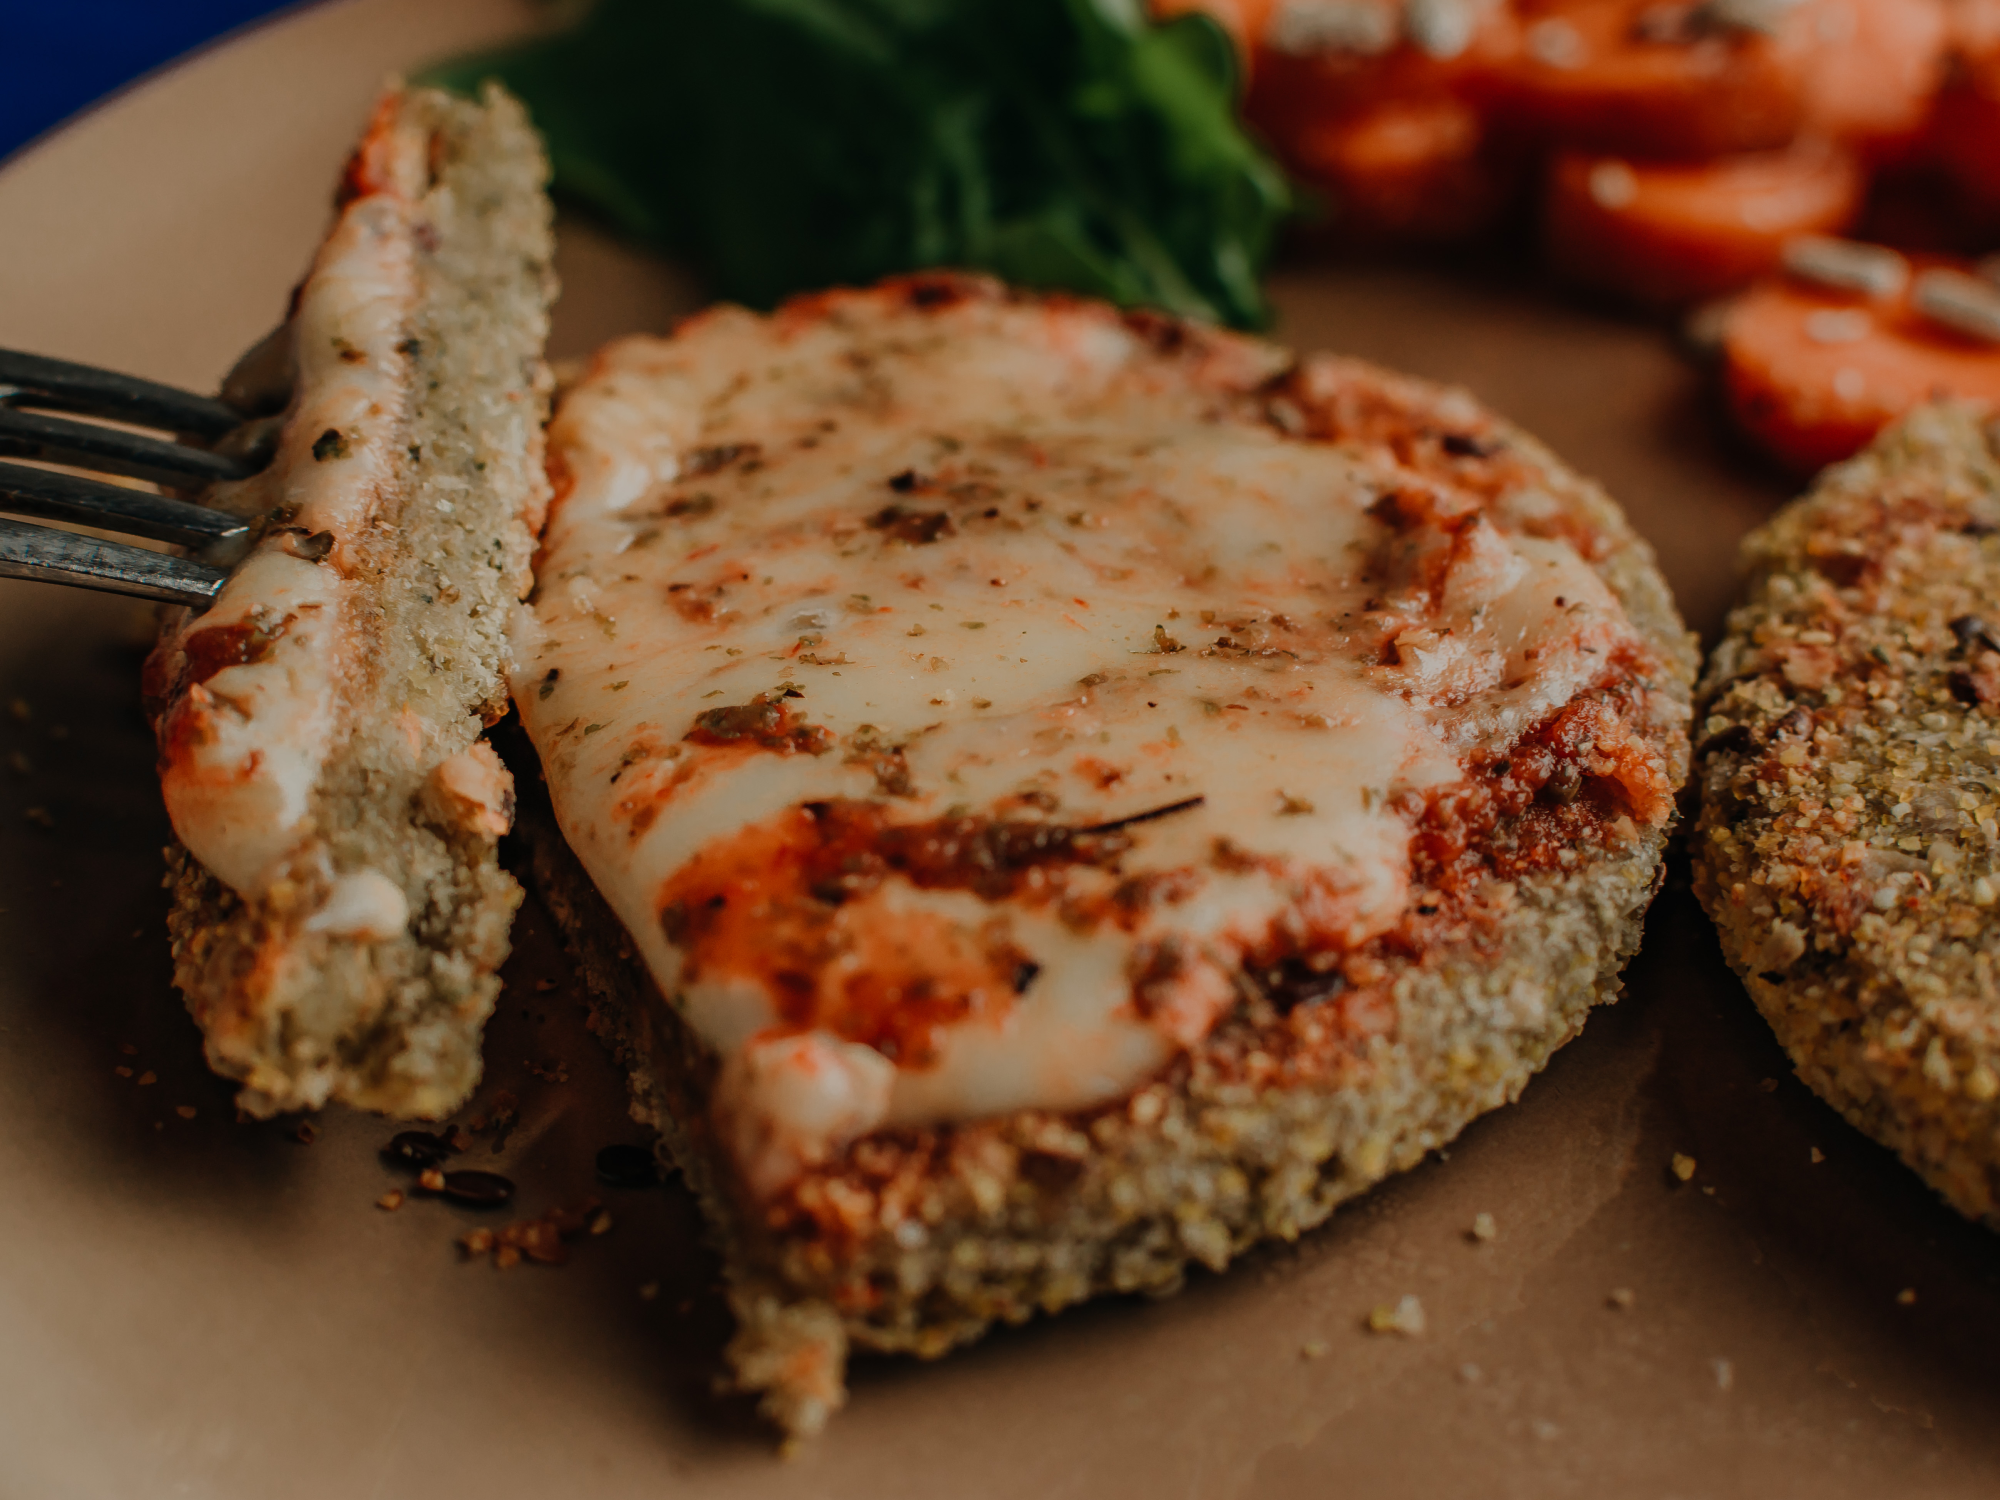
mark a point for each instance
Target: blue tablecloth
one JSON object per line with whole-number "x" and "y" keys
{"x": 58, "y": 56}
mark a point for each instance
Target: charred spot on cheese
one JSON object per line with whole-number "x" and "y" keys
{"x": 1134, "y": 898}
{"x": 869, "y": 747}
{"x": 1163, "y": 334}
{"x": 719, "y": 456}
{"x": 306, "y": 546}
{"x": 218, "y": 647}
{"x": 993, "y": 857}
{"x": 933, "y": 294}
{"x": 835, "y": 852}
{"x": 1466, "y": 445}
{"x": 917, "y": 528}
{"x": 765, "y": 722}
{"x": 1156, "y": 967}
{"x": 1292, "y": 980}
{"x": 1416, "y": 507}
{"x": 698, "y": 608}
{"x": 690, "y": 507}
{"x": 330, "y": 444}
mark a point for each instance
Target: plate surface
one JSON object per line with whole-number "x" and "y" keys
{"x": 192, "y": 1307}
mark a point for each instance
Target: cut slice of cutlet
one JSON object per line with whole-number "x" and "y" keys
{"x": 1849, "y": 769}
{"x": 339, "y": 912}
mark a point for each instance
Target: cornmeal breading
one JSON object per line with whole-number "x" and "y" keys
{"x": 1849, "y": 731}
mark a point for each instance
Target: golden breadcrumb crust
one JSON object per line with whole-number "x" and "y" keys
{"x": 1849, "y": 771}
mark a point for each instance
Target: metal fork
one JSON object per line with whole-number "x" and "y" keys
{"x": 31, "y": 385}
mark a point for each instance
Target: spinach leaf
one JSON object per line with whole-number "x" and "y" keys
{"x": 783, "y": 145}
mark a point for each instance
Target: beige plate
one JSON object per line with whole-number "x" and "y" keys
{"x": 189, "y": 1307}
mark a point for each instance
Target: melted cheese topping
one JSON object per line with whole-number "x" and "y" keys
{"x": 258, "y": 676}
{"x": 1006, "y": 564}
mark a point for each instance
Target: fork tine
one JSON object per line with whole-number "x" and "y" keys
{"x": 28, "y": 435}
{"x": 52, "y": 556}
{"x": 39, "y": 381}
{"x": 69, "y": 497}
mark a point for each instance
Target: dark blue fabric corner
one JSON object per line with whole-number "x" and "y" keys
{"x": 58, "y": 56}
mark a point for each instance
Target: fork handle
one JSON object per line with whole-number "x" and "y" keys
{"x": 52, "y": 556}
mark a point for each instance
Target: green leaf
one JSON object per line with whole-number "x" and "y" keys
{"x": 785, "y": 145}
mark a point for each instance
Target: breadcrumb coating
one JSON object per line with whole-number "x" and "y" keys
{"x": 1848, "y": 753}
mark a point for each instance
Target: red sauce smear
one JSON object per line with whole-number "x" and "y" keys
{"x": 1561, "y": 789}
{"x": 1343, "y": 402}
{"x": 1397, "y": 424}
{"x": 1558, "y": 788}
{"x": 209, "y": 651}
{"x": 372, "y": 167}
{"x": 785, "y": 904}
{"x": 1564, "y": 785}
{"x": 768, "y": 723}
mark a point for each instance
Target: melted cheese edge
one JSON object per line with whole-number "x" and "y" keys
{"x": 1059, "y": 647}
{"x": 242, "y": 752}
